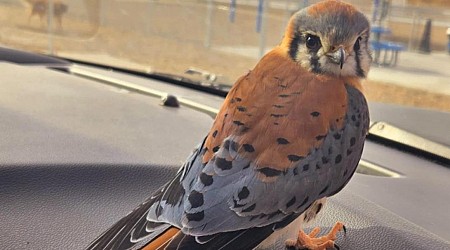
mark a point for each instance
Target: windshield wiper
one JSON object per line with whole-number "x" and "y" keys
{"x": 217, "y": 89}
{"x": 396, "y": 137}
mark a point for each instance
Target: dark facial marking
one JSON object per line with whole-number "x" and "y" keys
{"x": 215, "y": 133}
{"x": 293, "y": 47}
{"x": 315, "y": 64}
{"x": 216, "y": 148}
{"x": 359, "y": 71}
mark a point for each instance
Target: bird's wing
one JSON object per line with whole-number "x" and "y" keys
{"x": 262, "y": 163}
{"x": 282, "y": 140}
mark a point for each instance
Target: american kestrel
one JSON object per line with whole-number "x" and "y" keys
{"x": 289, "y": 134}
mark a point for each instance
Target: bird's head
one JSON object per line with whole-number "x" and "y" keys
{"x": 330, "y": 37}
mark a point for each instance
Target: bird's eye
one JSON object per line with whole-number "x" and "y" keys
{"x": 313, "y": 42}
{"x": 356, "y": 47}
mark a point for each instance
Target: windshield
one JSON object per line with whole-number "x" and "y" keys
{"x": 215, "y": 42}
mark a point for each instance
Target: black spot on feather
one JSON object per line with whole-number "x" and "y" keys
{"x": 278, "y": 106}
{"x": 241, "y": 108}
{"x": 244, "y": 193}
{"x": 248, "y": 148}
{"x": 195, "y": 216}
{"x": 249, "y": 209}
{"x": 237, "y": 205}
{"x": 206, "y": 179}
{"x": 338, "y": 159}
{"x": 196, "y": 199}
{"x": 282, "y": 141}
{"x": 352, "y": 141}
{"x": 315, "y": 114}
{"x": 215, "y": 133}
{"x": 319, "y": 207}
{"x": 239, "y": 123}
{"x": 277, "y": 115}
{"x": 273, "y": 214}
{"x": 320, "y": 137}
{"x": 223, "y": 164}
{"x": 283, "y": 95}
{"x": 234, "y": 146}
{"x": 216, "y": 148}
{"x": 291, "y": 202}
{"x": 306, "y": 167}
{"x": 270, "y": 172}
{"x": 294, "y": 158}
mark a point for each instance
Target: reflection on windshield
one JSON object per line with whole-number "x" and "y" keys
{"x": 218, "y": 41}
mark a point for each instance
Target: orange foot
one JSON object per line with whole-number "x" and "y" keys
{"x": 310, "y": 242}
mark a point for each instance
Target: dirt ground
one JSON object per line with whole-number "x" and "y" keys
{"x": 173, "y": 47}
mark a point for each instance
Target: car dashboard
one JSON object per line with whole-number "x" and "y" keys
{"x": 82, "y": 145}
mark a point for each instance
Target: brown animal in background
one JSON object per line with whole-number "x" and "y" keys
{"x": 41, "y": 7}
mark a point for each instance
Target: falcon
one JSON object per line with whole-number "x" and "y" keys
{"x": 289, "y": 134}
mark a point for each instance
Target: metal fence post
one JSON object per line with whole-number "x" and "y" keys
{"x": 261, "y": 25}
{"x": 50, "y": 26}
{"x": 208, "y": 21}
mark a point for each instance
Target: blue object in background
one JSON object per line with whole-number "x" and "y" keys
{"x": 259, "y": 16}
{"x": 232, "y": 11}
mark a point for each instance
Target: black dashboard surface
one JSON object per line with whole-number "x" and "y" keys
{"x": 77, "y": 155}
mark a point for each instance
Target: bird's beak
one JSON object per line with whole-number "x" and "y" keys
{"x": 338, "y": 56}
